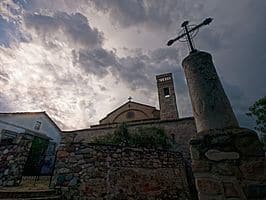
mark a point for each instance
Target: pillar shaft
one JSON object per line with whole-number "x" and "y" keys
{"x": 211, "y": 107}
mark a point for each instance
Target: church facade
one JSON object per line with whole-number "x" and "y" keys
{"x": 138, "y": 115}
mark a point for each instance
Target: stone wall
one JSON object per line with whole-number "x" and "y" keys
{"x": 181, "y": 130}
{"x": 90, "y": 171}
{"x": 229, "y": 164}
{"x": 12, "y": 160}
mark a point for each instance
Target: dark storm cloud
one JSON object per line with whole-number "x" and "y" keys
{"x": 239, "y": 102}
{"x": 95, "y": 61}
{"x": 153, "y": 14}
{"x": 75, "y": 27}
{"x": 137, "y": 71}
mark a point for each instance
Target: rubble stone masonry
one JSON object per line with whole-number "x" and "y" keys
{"x": 12, "y": 160}
{"x": 91, "y": 171}
{"x": 228, "y": 164}
{"x": 181, "y": 131}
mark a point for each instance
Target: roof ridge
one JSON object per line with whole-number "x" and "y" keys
{"x": 35, "y": 112}
{"x": 126, "y": 104}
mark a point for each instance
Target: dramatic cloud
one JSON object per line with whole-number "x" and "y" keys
{"x": 78, "y": 60}
{"x": 73, "y": 29}
{"x": 151, "y": 14}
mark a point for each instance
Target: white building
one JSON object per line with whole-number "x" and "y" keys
{"x": 36, "y": 123}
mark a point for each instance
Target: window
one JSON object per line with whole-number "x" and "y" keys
{"x": 166, "y": 92}
{"x": 7, "y": 137}
{"x": 37, "y": 125}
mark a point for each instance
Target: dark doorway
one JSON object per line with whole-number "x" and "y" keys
{"x": 36, "y": 157}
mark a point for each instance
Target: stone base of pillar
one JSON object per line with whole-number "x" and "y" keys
{"x": 228, "y": 164}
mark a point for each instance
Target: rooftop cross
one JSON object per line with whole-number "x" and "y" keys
{"x": 189, "y": 33}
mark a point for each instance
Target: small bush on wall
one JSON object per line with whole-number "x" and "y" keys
{"x": 150, "y": 137}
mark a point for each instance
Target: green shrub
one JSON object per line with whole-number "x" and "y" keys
{"x": 150, "y": 137}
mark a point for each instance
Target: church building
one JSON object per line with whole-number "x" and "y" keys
{"x": 134, "y": 111}
{"x": 137, "y": 115}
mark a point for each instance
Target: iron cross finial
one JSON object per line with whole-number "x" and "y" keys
{"x": 189, "y": 34}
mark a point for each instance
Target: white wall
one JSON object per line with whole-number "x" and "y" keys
{"x": 28, "y": 121}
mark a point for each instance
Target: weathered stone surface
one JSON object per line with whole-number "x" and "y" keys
{"x": 62, "y": 154}
{"x": 5, "y": 151}
{"x": 211, "y": 107}
{"x": 231, "y": 190}
{"x": 248, "y": 144}
{"x": 63, "y": 170}
{"x": 200, "y": 166}
{"x": 221, "y": 140}
{"x": 113, "y": 172}
{"x": 209, "y": 186}
{"x": 194, "y": 153}
{"x": 12, "y": 160}
{"x": 254, "y": 169}
{"x": 226, "y": 169}
{"x": 168, "y": 108}
{"x": 216, "y": 155}
{"x": 183, "y": 130}
{"x": 210, "y": 197}
{"x": 230, "y": 163}
{"x": 73, "y": 181}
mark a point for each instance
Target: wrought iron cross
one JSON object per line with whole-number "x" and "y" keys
{"x": 189, "y": 34}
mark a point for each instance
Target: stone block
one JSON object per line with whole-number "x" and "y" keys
{"x": 216, "y": 155}
{"x": 73, "y": 181}
{"x": 210, "y": 197}
{"x": 231, "y": 190}
{"x": 62, "y": 154}
{"x": 226, "y": 169}
{"x": 63, "y": 170}
{"x": 194, "y": 153}
{"x": 6, "y": 172}
{"x": 248, "y": 144}
{"x": 200, "y": 166}
{"x": 85, "y": 151}
{"x": 254, "y": 169}
{"x": 220, "y": 140}
{"x": 5, "y": 151}
{"x": 10, "y": 183}
{"x": 209, "y": 186}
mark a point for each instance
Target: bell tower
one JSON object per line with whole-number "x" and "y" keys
{"x": 167, "y": 99}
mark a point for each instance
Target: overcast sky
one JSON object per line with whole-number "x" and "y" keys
{"x": 80, "y": 59}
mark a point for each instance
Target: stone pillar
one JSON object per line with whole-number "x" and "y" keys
{"x": 211, "y": 107}
{"x": 228, "y": 162}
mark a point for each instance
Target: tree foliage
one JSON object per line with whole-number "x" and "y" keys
{"x": 149, "y": 137}
{"x": 258, "y": 112}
